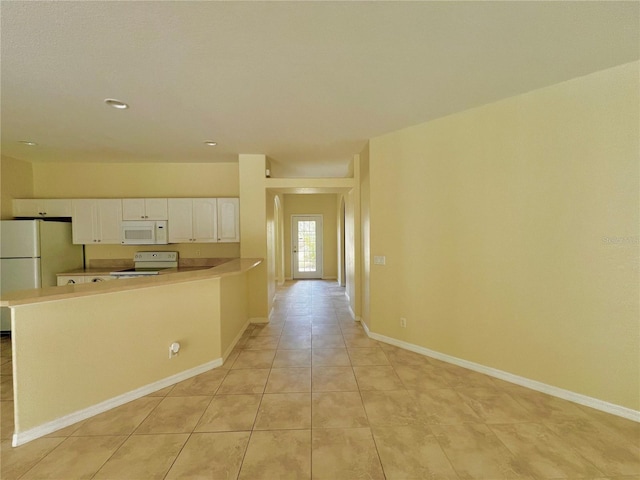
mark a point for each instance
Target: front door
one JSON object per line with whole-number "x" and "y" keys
{"x": 306, "y": 242}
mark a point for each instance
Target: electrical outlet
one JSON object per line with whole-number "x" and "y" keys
{"x": 197, "y": 253}
{"x": 379, "y": 260}
{"x": 403, "y": 322}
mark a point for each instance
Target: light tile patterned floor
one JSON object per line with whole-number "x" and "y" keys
{"x": 311, "y": 396}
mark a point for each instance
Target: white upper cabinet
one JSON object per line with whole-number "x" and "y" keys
{"x": 144, "y": 209}
{"x": 192, "y": 220}
{"x": 205, "y": 222}
{"x": 180, "y": 220}
{"x": 96, "y": 221}
{"x": 228, "y": 219}
{"x": 42, "y": 207}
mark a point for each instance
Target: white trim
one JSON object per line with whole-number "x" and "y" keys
{"x": 226, "y": 354}
{"x": 258, "y": 320}
{"x": 578, "y": 398}
{"x": 21, "y": 438}
{"x": 354, "y": 316}
{"x": 330, "y": 278}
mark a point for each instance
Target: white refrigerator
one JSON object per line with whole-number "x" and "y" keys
{"x": 32, "y": 252}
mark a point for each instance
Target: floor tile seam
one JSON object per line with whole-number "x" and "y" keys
{"x": 195, "y": 425}
{"x": 112, "y": 455}
{"x": 42, "y": 458}
{"x": 517, "y": 457}
{"x": 370, "y": 427}
{"x": 572, "y": 447}
{"x": 444, "y": 452}
{"x": 176, "y": 457}
{"x": 549, "y": 431}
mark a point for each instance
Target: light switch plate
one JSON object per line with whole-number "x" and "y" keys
{"x": 379, "y": 260}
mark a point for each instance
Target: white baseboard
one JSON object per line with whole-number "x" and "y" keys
{"x": 21, "y": 438}
{"x": 353, "y": 315}
{"x": 330, "y": 278}
{"x": 578, "y": 398}
{"x": 258, "y": 320}
{"x": 226, "y": 354}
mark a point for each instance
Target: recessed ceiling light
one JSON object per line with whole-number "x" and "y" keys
{"x": 112, "y": 102}
{"x": 29, "y": 143}
{"x": 211, "y": 144}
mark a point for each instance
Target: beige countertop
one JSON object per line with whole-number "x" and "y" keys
{"x": 179, "y": 275}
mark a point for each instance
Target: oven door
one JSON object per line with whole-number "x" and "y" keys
{"x": 138, "y": 233}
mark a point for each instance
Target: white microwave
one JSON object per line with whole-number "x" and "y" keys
{"x": 144, "y": 232}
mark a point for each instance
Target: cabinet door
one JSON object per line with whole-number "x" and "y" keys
{"x": 27, "y": 207}
{"x": 42, "y": 207}
{"x": 84, "y": 221}
{"x": 205, "y": 220}
{"x": 56, "y": 207}
{"x": 180, "y": 220}
{"x": 133, "y": 209}
{"x": 228, "y": 219}
{"x": 109, "y": 220}
{"x": 155, "y": 209}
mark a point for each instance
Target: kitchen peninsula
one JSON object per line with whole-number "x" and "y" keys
{"x": 79, "y": 350}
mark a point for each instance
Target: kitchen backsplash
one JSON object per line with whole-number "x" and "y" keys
{"x": 185, "y": 251}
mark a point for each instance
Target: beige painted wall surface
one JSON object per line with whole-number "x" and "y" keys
{"x": 16, "y": 181}
{"x": 314, "y": 204}
{"x": 78, "y": 352}
{"x": 511, "y": 235}
{"x": 253, "y": 222}
{"x": 123, "y": 180}
{"x": 234, "y": 311}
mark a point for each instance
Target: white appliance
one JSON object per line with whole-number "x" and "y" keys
{"x": 144, "y": 232}
{"x": 149, "y": 263}
{"x": 32, "y": 252}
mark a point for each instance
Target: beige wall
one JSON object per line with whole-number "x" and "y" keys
{"x": 234, "y": 311}
{"x": 314, "y": 204}
{"x": 511, "y": 235}
{"x": 122, "y": 180}
{"x": 16, "y": 181}
{"x": 253, "y": 221}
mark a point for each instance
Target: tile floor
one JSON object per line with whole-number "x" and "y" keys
{"x": 311, "y": 396}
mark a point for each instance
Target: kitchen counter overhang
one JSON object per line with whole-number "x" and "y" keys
{"x": 183, "y": 274}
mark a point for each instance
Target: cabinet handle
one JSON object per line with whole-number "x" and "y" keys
{"x": 70, "y": 282}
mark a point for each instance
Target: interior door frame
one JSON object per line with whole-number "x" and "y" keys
{"x": 318, "y": 274}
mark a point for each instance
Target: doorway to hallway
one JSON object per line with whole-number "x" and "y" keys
{"x": 306, "y": 243}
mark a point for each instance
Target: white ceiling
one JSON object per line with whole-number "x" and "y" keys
{"x": 306, "y": 83}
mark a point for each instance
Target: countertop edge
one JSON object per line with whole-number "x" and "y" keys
{"x": 51, "y": 294}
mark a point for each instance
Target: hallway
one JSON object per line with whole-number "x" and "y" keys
{"x": 309, "y": 395}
